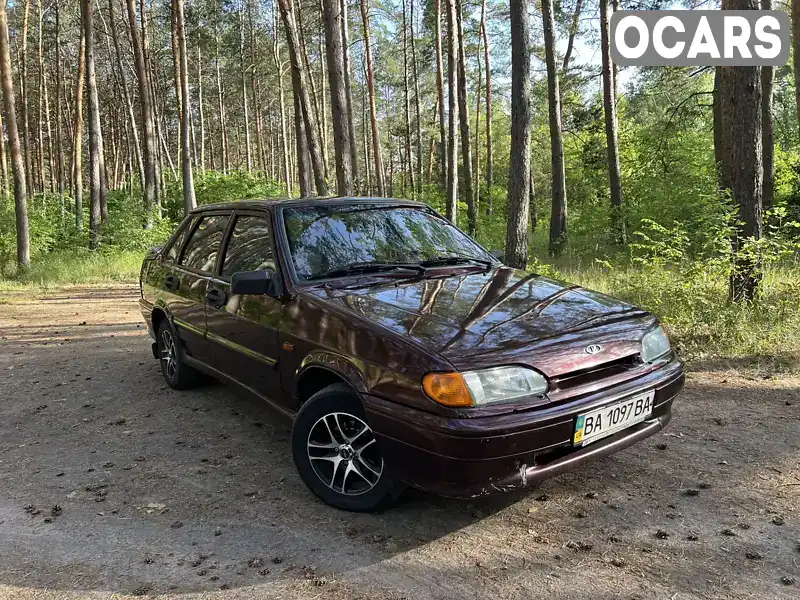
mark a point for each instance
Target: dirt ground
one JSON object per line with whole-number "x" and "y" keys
{"x": 112, "y": 484}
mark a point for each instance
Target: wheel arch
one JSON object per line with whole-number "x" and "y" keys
{"x": 321, "y": 369}
{"x": 157, "y": 317}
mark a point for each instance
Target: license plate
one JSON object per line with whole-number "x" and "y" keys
{"x": 610, "y": 419}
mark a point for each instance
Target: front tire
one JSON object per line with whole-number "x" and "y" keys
{"x": 337, "y": 455}
{"x": 177, "y": 374}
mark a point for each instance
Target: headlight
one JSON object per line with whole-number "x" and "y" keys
{"x": 655, "y": 344}
{"x": 487, "y": 386}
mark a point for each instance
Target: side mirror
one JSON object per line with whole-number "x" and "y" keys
{"x": 499, "y": 254}
{"x": 257, "y": 283}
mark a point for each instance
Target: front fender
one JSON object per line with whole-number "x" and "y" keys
{"x": 352, "y": 370}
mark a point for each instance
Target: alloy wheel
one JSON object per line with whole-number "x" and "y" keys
{"x": 342, "y": 450}
{"x": 169, "y": 353}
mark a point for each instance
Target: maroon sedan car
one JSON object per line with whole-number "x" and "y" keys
{"x": 404, "y": 352}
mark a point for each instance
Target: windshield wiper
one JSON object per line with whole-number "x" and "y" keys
{"x": 454, "y": 260}
{"x": 368, "y": 267}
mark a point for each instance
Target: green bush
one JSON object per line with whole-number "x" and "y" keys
{"x": 683, "y": 277}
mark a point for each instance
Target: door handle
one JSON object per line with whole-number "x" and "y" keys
{"x": 172, "y": 283}
{"x": 216, "y": 298}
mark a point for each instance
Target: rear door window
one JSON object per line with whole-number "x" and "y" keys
{"x": 250, "y": 247}
{"x": 200, "y": 253}
{"x": 175, "y": 249}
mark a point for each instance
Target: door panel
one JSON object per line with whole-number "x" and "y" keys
{"x": 243, "y": 337}
{"x": 243, "y": 329}
{"x": 187, "y": 283}
{"x": 188, "y": 311}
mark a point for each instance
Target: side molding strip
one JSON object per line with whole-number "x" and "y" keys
{"x": 241, "y": 349}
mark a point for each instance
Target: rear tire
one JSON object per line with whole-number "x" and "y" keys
{"x": 177, "y": 374}
{"x": 337, "y": 455}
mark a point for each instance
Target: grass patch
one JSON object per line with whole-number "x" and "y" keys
{"x": 703, "y": 324}
{"x": 78, "y": 267}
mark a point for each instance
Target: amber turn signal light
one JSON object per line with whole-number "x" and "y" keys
{"x": 448, "y": 389}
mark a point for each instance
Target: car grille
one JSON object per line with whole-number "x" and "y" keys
{"x": 597, "y": 373}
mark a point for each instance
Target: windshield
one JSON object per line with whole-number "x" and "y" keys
{"x": 331, "y": 239}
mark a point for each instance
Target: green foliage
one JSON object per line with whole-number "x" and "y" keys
{"x": 693, "y": 304}
{"x": 682, "y": 276}
{"x": 211, "y": 187}
{"x": 59, "y": 251}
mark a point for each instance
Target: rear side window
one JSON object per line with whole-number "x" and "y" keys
{"x": 202, "y": 248}
{"x": 250, "y": 247}
{"x": 175, "y": 249}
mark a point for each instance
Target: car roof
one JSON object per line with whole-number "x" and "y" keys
{"x": 300, "y": 202}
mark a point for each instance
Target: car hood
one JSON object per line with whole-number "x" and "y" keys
{"x": 503, "y": 316}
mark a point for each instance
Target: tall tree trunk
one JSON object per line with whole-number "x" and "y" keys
{"x": 319, "y": 104}
{"x": 150, "y": 181}
{"x": 271, "y": 141}
{"x": 59, "y": 102}
{"x": 348, "y": 87}
{"x": 406, "y": 103}
{"x": 488, "y": 68}
{"x": 339, "y": 100}
{"x": 304, "y": 177}
{"x": 451, "y": 198}
{"x": 417, "y": 109}
{"x": 220, "y": 96}
{"x": 189, "y": 200}
{"x": 149, "y": 73}
{"x": 17, "y": 164}
{"x": 796, "y": 50}
{"x": 4, "y": 161}
{"x": 115, "y": 148}
{"x": 741, "y": 168}
{"x": 432, "y": 141}
{"x": 254, "y": 91}
{"x": 287, "y": 172}
{"x": 24, "y": 89}
{"x": 463, "y": 113}
{"x": 443, "y": 154}
{"x": 175, "y": 59}
{"x": 245, "y": 107}
{"x": 373, "y": 115}
{"x": 317, "y": 97}
{"x": 612, "y": 138}
{"x": 615, "y": 6}
{"x": 53, "y": 185}
{"x": 41, "y": 96}
{"x": 573, "y": 32}
{"x": 77, "y": 140}
{"x": 123, "y": 81}
{"x": 366, "y": 188}
{"x": 558, "y": 215}
{"x": 478, "y": 90}
{"x": 767, "y": 137}
{"x": 391, "y": 165}
{"x": 299, "y": 83}
{"x": 96, "y": 158}
{"x": 519, "y": 168}
{"x": 201, "y": 109}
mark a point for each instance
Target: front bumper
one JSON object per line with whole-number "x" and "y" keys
{"x": 487, "y": 455}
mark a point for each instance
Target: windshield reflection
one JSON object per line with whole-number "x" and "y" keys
{"x": 331, "y": 238}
